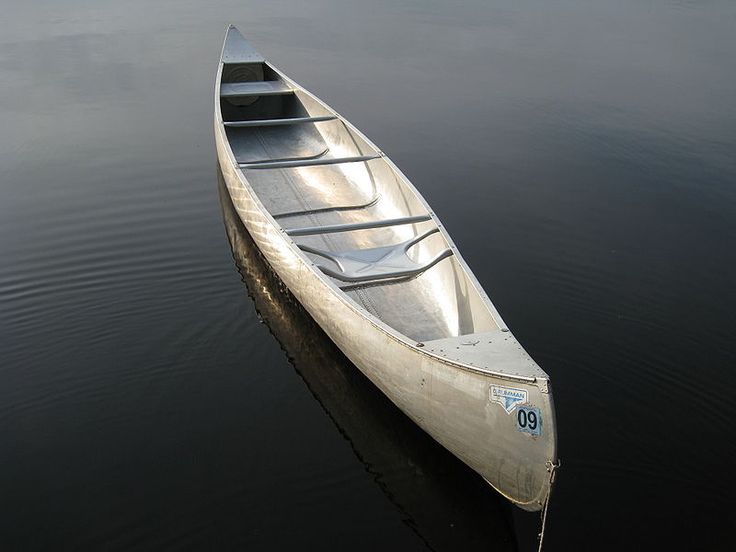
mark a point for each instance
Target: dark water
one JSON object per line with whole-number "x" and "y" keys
{"x": 582, "y": 154}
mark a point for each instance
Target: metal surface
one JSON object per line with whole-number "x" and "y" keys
{"x": 238, "y": 50}
{"x": 462, "y": 393}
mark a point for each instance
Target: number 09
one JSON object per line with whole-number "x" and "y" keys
{"x": 528, "y": 421}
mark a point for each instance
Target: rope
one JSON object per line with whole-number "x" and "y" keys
{"x": 551, "y": 468}
{"x": 544, "y": 522}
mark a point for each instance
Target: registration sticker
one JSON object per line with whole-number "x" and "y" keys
{"x": 529, "y": 420}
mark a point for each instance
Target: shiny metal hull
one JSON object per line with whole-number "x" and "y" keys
{"x": 365, "y": 255}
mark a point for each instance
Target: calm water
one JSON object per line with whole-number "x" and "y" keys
{"x": 159, "y": 390}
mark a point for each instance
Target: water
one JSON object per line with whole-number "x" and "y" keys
{"x": 580, "y": 153}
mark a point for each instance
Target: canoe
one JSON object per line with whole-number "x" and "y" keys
{"x": 365, "y": 255}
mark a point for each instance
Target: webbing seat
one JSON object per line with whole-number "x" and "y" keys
{"x": 376, "y": 263}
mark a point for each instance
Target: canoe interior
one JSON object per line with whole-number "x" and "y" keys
{"x": 311, "y": 169}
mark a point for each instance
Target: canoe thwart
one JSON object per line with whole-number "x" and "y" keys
{"x": 254, "y": 88}
{"x": 277, "y": 122}
{"x": 334, "y": 228}
{"x": 377, "y": 263}
{"x": 309, "y": 163}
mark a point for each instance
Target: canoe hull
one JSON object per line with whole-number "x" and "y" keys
{"x": 449, "y": 401}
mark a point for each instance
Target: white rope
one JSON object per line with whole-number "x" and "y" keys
{"x": 551, "y": 467}
{"x": 544, "y": 522}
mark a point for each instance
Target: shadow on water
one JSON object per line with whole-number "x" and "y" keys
{"x": 441, "y": 499}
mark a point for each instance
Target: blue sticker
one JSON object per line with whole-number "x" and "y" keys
{"x": 508, "y": 397}
{"x": 529, "y": 420}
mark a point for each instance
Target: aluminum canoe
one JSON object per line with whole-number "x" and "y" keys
{"x": 367, "y": 257}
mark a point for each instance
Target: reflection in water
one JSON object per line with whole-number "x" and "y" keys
{"x": 447, "y": 504}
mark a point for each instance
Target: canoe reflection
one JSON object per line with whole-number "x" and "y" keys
{"x": 445, "y": 502}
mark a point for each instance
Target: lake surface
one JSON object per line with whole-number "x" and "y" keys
{"x": 160, "y": 390}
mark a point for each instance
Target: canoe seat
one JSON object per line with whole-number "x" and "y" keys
{"x": 254, "y": 88}
{"x": 376, "y": 263}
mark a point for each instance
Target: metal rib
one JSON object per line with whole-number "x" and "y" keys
{"x": 334, "y": 228}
